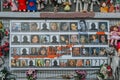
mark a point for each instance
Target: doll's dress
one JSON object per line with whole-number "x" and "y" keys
{"x": 31, "y": 5}
{"x": 115, "y": 36}
{"x": 22, "y": 5}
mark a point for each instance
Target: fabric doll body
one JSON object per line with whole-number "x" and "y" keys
{"x": 22, "y": 5}
{"x": 13, "y": 5}
{"x": 31, "y": 5}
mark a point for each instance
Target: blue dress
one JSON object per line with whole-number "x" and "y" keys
{"x": 32, "y": 5}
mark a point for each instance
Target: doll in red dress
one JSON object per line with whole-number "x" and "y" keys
{"x": 22, "y": 5}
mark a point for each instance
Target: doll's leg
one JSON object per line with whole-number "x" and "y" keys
{"x": 111, "y": 41}
{"x": 77, "y": 3}
{"x": 80, "y": 5}
{"x": 91, "y": 7}
{"x": 85, "y": 6}
{"x": 116, "y": 42}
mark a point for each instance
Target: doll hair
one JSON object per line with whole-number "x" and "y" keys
{"x": 112, "y": 27}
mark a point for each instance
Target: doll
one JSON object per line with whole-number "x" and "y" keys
{"x": 117, "y": 6}
{"x": 67, "y": 4}
{"x": 114, "y": 35}
{"x": 111, "y": 6}
{"x": 5, "y": 4}
{"x": 104, "y": 8}
{"x": 40, "y": 4}
{"x": 78, "y": 4}
{"x": 13, "y": 5}
{"x": 93, "y": 2}
{"x": 31, "y": 6}
{"x": 22, "y": 5}
{"x": 86, "y": 2}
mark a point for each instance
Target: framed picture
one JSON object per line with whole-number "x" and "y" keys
{"x": 76, "y": 51}
{"x": 25, "y": 39}
{"x": 45, "y": 39}
{"x": 94, "y": 51}
{"x": 45, "y": 26}
{"x": 54, "y": 26}
{"x": 35, "y": 39}
{"x": 103, "y": 39}
{"x": 73, "y": 26}
{"x": 83, "y": 39}
{"x": 93, "y": 26}
{"x": 83, "y": 26}
{"x": 25, "y": 26}
{"x": 15, "y": 39}
{"x": 103, "y": 26}
{"x": 63, "y": 63}
{"x": 64, "y": 26}
{"x": 34, "y": 26}
{"x": 25, "y": 51}
{"x": 64, "y": 39}
{"x": 55, "y": 63}
{"x": 16, "y": 27}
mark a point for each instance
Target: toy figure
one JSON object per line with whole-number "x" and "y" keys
{"x": 86, "y": 2}
{"x": 31, "y": 6}
{"x": 67, "y": 4}
{"x": 13, "y": 5}
{"x": 78, "y": 4}
{"x": 114, "y": 35}
{"x": 40, "y": 4}
{"x": 117, "y": 6}
{"x": 5, "y": 4}
{"x": 93, "y": 2}
{"x": 111, "y": 6}
{"x": 104, "y": 8}
{"x": 22, "y": 5}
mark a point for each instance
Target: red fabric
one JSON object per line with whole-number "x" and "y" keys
{"x": 31, "y": 3}
{"x": 22, "y": 5}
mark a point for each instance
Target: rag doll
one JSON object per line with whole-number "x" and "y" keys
{"x": 22, "y": 5}
{"x": 93, "y": 2}
{"x": 31, "y": 6}
{"x": 114, "y": 35}
{"x": 40, "y": 4}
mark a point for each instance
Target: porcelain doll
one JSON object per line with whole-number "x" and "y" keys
{"x": 67, "y": 4}
{"x": 31, "y": 6}
{"x": 22, "y": 5}
{"x": 114, "y": 35}
{"x": 93, "y": 2}
{"x": 13, "y": 5}
{"x": 117, "y": 6}
{"x": 104, "y": 8}
{"x": 78, "y": 5}
{"x": 40, "y": 4}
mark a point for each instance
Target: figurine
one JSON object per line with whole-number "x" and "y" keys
{"x": 13, "y": 5}
{"x": 22, "y": 5}
{"x": 104, "y": 8}
{"x": 117, "y": 6}
{"x": 5, "y": 4}
{"x": 78, "y": 5}
{"x": 111, "y": 6}
{"x": 114, "y": 35}
{"x": 93, "y": 2}
{"x": 67, "y": 4}
{"x": 40, "y": 4}
{"x": 86, "y": 2}
{"x": 31, "y": 6}
{"x": 55, "y": 5}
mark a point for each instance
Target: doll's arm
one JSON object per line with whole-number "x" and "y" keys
{"x": 98, "y": 2}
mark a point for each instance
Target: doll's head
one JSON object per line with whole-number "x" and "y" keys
{"x": 103, "y": 4}
{"x": 114, "y": 28}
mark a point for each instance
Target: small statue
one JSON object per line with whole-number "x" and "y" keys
{"x": 40, "y": 4}
{"x": 93, "y": 2}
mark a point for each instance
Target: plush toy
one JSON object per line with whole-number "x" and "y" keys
{"x": 78, "y": 5}
{"x": 13, "y": 5}
{"x": 22, "y": 5}
{"x": 114, "y": 35}
{"x": 40, "y": 4}
{"x": 31, "y": 6}
{"x": 67, "y": 4}
{"x": 93, "y": 2}
{"x": 104, "y": 8}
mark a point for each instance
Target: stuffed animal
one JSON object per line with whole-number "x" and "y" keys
{"x": 22, "y": 5}
{"x": 93, "y": 2}
{"x": 40, "y": 4}
{"x": 104, "y": 8}
{"x": 31, "y": 6}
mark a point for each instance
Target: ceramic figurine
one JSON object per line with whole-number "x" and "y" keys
{"x": 86, "y": 2}
{"x": 117, "y": 6}
{"x": 31, "y": 6}
{"x": 22, "y": 5}
{"x": 78, "y": 5}
{"x": 13, "y": 5}
{"x": 93, "y": 2}
{"x": 111, "y": 7}
{"x": 40, "y": 4}
{"x": 67, "y": 4}
{"x": 104, "y": 8}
